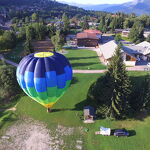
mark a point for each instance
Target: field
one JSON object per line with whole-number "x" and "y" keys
{"x": 84, "y": 59}
{"x": 79, "y": 58}
{"x": 68, "y": 111}
{"x": 15, "y": 54}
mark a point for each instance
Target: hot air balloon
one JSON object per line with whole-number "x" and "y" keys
{"x": 44, "y": 76}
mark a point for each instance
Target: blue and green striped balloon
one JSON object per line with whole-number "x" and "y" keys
{"x": 44, "y": 76}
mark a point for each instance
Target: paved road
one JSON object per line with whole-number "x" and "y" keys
{"x": 89, "y": 71}
{"x": 8, "y": 61}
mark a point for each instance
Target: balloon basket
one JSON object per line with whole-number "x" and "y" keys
{"x": 49, "y": 110}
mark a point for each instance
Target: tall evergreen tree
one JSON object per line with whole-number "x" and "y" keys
{"x": 136, "y": 33}
{"x": 66, "y": 22}
{"x": 57, "y": 41}
{"x": 121, "y": 86}
{"x": 85, "y": 24}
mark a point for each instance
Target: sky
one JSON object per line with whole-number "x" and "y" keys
{"x": 95, "y": 1}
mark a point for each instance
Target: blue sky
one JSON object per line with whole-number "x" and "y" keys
{"x": 96, "y": 1}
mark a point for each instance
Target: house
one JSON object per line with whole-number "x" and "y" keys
{"x": 89, "y": 114}
{"x": 71, "y": 40}
{"x": 141, "y": 51}
{"x": 108, "y": 50}
{"x": 125, "y": 33}
{"x": 93, "y": 24}
{"x": 89, "y": 38}
{"x": 97, "y": 32}
{"x": 118, "y": 30}
{"x": 146, "y": 49}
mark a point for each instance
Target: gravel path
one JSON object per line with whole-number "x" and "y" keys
{"x": 33, "y": 135}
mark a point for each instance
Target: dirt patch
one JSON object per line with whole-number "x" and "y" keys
{"x": 33, "y": 135}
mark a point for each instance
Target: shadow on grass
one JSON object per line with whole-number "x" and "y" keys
{"x": 78, "y": 107}
{"x": 7, "y": 117}
{"x": 131, "y": 132}
{"x": 58, "y": 110}
{"x": 74, "y": 80}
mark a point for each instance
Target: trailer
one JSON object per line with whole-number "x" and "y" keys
{"x": 104, "y": 131}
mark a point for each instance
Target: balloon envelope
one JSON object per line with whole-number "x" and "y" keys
{"x": 44, "y": 76}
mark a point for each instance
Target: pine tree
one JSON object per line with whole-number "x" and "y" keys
{"x": 136, "y": 33}
{"x": 121, "y": 86}
{"x": 57, "y": 41}
{"x": 85, "y": 24}
{"x": 66, "y": 22}
{"x": 145, "y": 93}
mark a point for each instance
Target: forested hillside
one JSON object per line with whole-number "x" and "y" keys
{"x": 44, "y": 7}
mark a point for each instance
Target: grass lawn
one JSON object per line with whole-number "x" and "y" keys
{"x": 84, "y": 59}
{"x": 69, "y": 108}
{"x": 15, "y": 54}
{"x": 125, "y": 38}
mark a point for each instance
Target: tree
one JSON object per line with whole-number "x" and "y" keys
{"x": 120, "y": 84}
{"x": 85, "y": 24}
{"x": 66, "y": 22}
{"x": 29, "y": 33}
{"x": 51, "y": 30}
{"x": 146, "y": 93}
{"x": 117, "y": 37}
{"x": 27, "y": 19}
{"x": 136, "y": 33}
{"x": 29, "y": 36}
{"x": 148, "y": 38}
{"x": 1, "y": 32}
{"x": 35, "y": 17}
{"x": 113, "y": 25}
{"x": 57, "y": 40}
{"x": 102, "y": 24}
{"x": 8, "y": 83}
{"x": 40, "y": 31}
{"x": 111, "y": 92}
{"x": 28, "y": 47}
{"x": 9, "y": 40}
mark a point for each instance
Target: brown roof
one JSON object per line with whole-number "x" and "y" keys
{"x": 84, "y": 35}
{"x": 93, "y": 31}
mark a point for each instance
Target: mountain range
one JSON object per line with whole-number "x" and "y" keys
{"x": 138, "y": 7}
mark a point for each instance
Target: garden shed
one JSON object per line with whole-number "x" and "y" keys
{"x": 89, "y": 114}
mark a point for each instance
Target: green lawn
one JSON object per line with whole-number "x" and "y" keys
{"x": 69, "y": 108}
{"x": 84, "y": 59}
{"x": 15, "y": 54}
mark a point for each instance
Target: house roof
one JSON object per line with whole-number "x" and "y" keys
{"x": 84, "y": 35}
{"x": 88, "y": 110}
{"x": 144, "y": 44}
{"x": 93, "y": 31}
{"x": 141, "y": 48}
{"x": 108, "y": 49}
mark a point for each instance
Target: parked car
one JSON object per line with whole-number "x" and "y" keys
{"x": 148, "y": 65}
{"x": 121, "y": 132}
